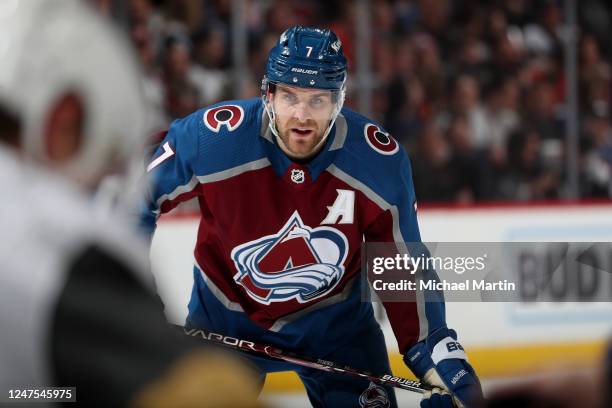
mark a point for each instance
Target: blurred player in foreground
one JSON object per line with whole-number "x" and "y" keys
{"x": 289, "y": 186}
{"x": 76, "y": 307}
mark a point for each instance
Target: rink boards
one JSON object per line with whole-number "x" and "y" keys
{"x": 502, "y": 339}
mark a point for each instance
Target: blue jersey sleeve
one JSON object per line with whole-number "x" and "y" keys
{"x": 170, "y": 173}
{"x": 376, "y": 164}
{"x": 411, "y": 321}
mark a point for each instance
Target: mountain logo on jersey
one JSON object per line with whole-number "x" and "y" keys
{"x": 298, "y": 262}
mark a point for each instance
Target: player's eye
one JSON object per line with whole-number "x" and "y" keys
{"x": 289, "y": 98}
{"x": 319, "y": 102}
{"x": 316, "y": 101}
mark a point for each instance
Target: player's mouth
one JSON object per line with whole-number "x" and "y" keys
{"x": 301, "y": 132}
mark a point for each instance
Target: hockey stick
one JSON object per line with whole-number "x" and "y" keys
{"x": 319, "y": 364}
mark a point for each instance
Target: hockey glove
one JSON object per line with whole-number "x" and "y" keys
{"x": 440, "y": 361}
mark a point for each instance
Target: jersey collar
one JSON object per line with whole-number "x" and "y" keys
{"x": 281, "y": 163}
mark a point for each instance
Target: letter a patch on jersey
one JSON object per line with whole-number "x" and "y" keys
{"x": 343, "y": 208}
{"x": 298, "y": 262}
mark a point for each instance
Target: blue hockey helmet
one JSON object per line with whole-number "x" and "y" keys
{"x": 308, "y": 58}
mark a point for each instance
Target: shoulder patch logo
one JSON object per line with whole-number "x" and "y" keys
{"x": 380, "y": 140}
{"x": 298, "y": 262}
{"x": 229, "y": 115}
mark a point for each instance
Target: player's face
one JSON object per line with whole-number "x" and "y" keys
{"x": 302, "y": 117}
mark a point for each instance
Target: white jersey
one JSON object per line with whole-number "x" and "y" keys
{"x": 44, "y": 225}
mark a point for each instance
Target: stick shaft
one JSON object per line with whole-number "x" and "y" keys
{"x": 319, "y": 364}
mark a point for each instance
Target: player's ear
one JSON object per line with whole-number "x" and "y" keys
{"x": 63, "y": 130}
{"x": 271, "y": 91}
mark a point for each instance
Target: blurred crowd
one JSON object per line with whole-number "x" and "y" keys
{"x": 475, "y": 90}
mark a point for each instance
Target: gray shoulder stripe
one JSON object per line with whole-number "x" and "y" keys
{"x": 178, "y": 191}
{"x": 234, "y": 171}
{"x": 397, "y": 234}
{"x": 222, "y": 175}
{"x": 358, "y": 185}
{"x": 368, "y": 192}
{"x": 423, "y": 322}
{"x": 341, "y": 132}
{"x": 337, "y": 298}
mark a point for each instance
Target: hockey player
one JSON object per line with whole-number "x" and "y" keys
{"x": 76, "y": 305}
{"x": 289, "y": 186}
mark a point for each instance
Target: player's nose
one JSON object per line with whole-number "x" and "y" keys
{"x": 302, "y": 112}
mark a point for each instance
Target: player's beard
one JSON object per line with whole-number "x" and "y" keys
{"x": 298, "y": 144}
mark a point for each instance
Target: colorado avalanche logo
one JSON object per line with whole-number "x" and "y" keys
{"x": 229, "y": 115}
{"x": 298, "y": 262}
{"x": 374, "y": 397}
{"x": 380, "y": 140}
